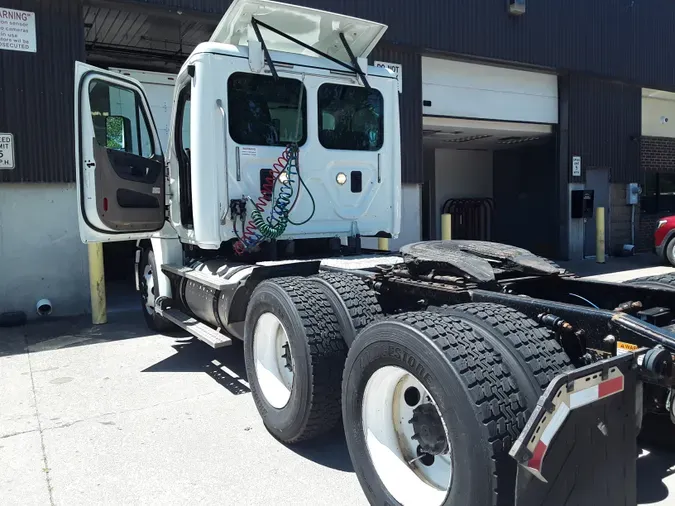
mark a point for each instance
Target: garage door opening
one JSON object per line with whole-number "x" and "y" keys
{"x": 489, "y": 143}
{"x": 497, "y": 179}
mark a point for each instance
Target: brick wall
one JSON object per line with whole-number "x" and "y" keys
{"x": 657, "y": 154}
{"x": 619, "y": 218}
{"x": 646, "y": 227}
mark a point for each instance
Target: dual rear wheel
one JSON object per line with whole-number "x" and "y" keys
{"x": 431, "y": 401}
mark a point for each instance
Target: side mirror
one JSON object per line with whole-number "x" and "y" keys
{"x": 118, "y": 133}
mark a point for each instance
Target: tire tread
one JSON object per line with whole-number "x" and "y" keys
{"x": 535, "y": 344}
{"x": 498, "y": 402}
{"x": 360, "y": 300}
{"x": 664, "y": 279}
{"x": 327, "y": 352}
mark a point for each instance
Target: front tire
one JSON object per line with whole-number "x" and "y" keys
{"x": 670, "y": 252}
{"x": 294, "y": 356}
{"x": 463, "y": 381}
{"x": 149, "y": 288}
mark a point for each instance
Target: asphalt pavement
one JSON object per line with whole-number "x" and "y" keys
{"x": 117, "y": 415}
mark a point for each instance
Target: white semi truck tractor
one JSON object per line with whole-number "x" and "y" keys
{"x": 464, "y": 372}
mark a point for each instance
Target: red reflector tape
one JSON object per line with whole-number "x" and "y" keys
{"x": 552, "y": 427}
{"x": 537, "y": 457}
{"x": 610, "y": 387}
{"x": 594, "y": 393}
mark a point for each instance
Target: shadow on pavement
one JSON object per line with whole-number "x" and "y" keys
{"x": 224, "y": 365}
{"x": 613, "y": 264}
{"x": 657, "y": 461}
{"x": 330, "y": 451}
{"x": 57, "y": 333}
{"x": 652, "y": 469}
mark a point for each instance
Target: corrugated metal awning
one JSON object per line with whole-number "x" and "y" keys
{"x": 122, "y": 33}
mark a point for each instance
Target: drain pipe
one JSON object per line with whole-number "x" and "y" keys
{"x": 44, "y": 307}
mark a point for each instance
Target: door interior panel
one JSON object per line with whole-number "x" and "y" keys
{"x": 131, "y": 167}
{"x": 126, "y": 205}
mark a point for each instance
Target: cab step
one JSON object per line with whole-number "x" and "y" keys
{"x": 198, "y": 329}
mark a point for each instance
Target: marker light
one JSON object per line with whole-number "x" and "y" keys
{"x": 341, "y": 178}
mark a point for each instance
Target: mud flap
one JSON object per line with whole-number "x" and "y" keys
{"x": 579, "y": 446}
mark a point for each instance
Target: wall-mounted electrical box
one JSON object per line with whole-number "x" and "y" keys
{"x": 517, "y": 7}
{"x": 582, "y": 203}
{"x": 633, "y": 192}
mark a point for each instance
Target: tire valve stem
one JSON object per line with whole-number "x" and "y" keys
{"x": 419, "y": 457}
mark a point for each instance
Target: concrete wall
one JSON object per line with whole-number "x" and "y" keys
{"x": 461, "y": 174}
{"x": 41, "y": 254}
{"x": 411, "y": 219}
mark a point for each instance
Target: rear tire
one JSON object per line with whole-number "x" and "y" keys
{"x": 354, "y": 302}
{"x": 307, "y": 342}
{"x": 536, "y": 358}
{"x": 660, "y": 281}
{"x": 474, "y": 393}
{"x": 148, "y": 281}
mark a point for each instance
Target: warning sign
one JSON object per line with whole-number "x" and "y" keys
{"x": 17, "y": 30}
{"x": 6, "y": 151}
{"x": 622, "y": 347}
{"x": 396, "y": 68}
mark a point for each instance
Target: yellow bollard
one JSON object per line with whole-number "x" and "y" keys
{"x": 600, "y": 235}
{"x": 446, "y": 227}
{"x": 383, "y": 243}
{"x": 97, "y": 283}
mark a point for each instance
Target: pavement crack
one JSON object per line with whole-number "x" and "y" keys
{"x": 40, "y": 429}
{"x": 18, "y": 433}
{"x": 126, "y": 411}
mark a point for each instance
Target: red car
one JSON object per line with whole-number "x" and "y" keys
{"x": 664, "y": 239}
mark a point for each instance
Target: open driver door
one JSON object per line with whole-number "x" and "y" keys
{"x": 120, "y": 169}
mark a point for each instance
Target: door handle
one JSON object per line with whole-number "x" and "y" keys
{"x": 90, "y": 164}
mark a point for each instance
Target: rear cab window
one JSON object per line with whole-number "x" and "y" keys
{"x": 264, "y": 111}
{"x": 350, "y": 117}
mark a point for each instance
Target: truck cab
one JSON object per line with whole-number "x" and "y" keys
{"x": 270, "y": 77}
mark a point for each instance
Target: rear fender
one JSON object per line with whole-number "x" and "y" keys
{"x": 579, "y": 446}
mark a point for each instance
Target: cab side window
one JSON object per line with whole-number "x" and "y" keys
{"x": 264, "y": 111}
{"x": 122, "y": 128}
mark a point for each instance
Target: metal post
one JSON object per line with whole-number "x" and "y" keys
{"x": 600, "y": 235}
{"x": 97, "y": 283}
{"x": 383, "y": 244}
{"x": 446, "y": 227}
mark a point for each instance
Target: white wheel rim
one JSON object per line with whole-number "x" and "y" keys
{"x": 386, "y": 412}
{"x": 149, "y": 289}
{"x": 273, "y": 360}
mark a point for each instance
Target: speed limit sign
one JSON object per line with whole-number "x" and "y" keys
{"x": 6, "y": 151}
